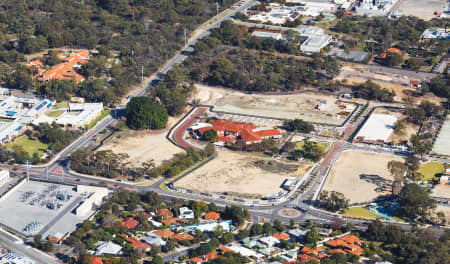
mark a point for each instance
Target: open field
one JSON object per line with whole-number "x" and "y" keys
{"x": 430, "y": 169}
{"x": 291, "y": 106}
{"x": 361, "y": 176}
{"x": 142, "y": 146}
{"x": 61, "y": 105}
{"x": 30, "y": 146}
{"x": 441, "y": 191}
{"x": 446, "y": 210}
{"x": 360, "y": 211}
{"x": 241, "y": 174}
{"x": 423, "y": 9}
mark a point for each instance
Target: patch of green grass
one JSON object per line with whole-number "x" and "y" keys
{"x": 61, "y": 105}
{"x": 5, "y": 120}
{"x": 322, "y": 145}
{"x": 29, "y": 145}
{"x": 360, "y": 212}
{"x": 55, "y": 113}
{"x": 103, "y": 114}
{"x": 430, "y": 169}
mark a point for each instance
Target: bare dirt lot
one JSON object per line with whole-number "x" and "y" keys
{"x": 361, "y": 176}
{"x": 241, "y": 174}
{"x": 406, "y": 133}
{"x": 423, "y": 9}
{"x": 291, "y": 106}
{"x": 144, "y": 145}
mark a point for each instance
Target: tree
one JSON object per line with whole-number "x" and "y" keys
{"x": 256, "y": 229}
{"x": 312, "y": 236}
{"x": 393, "y": 59}
{"x": 421, "y": 144}
{"x": 332, "y": 201}
{"x": 210, "y": 149}
{"x": 142, "y": 113}
{"x": 398, "y": 171}
{"x": 157, "y": 260}
{"x": 210, "y": 135}
{"x": 298, "y": 125}
{"x": 415, "y": 202}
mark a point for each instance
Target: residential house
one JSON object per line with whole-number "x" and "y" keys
{"x": 138, "y": 244}
{"x": 155, "y": 223}
{"x": 166, "y": 233}
{"x": 297, "y": 233}
{"x": 195, "y": 260}
{"x": 164, "y": 213}
{"x": 171, "y": 221}
{"x": 269, "y": 241}
{"x": 108, "y": 248}
{"x": 281, "y": 236}
{"x": 324, "y": 231}
{"x": 210, "y": 256}
{"x": 315, "y": 251}
{"x": 186, "y": 213}
{"x": 154, "y": 239}
{"x": 307, "y": 258}
{"x": 337, "y": 250}
{"x": 183, "y": 236}
{"x": 130, "y": 223}
{"x": 211, "y": 216}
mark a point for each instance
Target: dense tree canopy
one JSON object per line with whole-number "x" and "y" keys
{"x": 142, "y": 113}
{"x": 415, "y": 202}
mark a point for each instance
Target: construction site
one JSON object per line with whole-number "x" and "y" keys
{"x": 47, "y": 209}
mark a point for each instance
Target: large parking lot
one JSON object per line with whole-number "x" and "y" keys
{"x": 40, "y": 206}
{"x": 423, "y": 9}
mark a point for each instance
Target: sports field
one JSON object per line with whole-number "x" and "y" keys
{"x": 442, "y": 144}
{"x": 241, "y": 175}
{"x": 430, "y": 170}
{"x": 361, "y": 176}
{"x": 302, "y": 105}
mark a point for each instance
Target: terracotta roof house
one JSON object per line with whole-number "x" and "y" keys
{"x": 352, "y": 239}
{"x": 210, "y": 256}
{"x": 223, "y": 249}
{"x": 211, "y": 216}
{"x": 395, "y": 50}
{"x": 164, "y": 213}
{"x": 137, "y": 244}
{"x": 354, "y": 249}
{"x": 166, "y": 233}
{"x": 337, "y": 250}
{"x": 281, "y": 236}
{"x": 130, "y": 223}
{"x": 171, "y": 221}
{"x": 307, "y": 258}
{"x": 183, "y": 236}
{"x": 196, "y": 260}
{"x": 309, "y": 251}
{"x": 337, "y": 243}
{"x": 96, "y": 260}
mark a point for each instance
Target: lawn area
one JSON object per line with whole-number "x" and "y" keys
{"x": 360, "y": 212}
{"x": 55, "y": 113}
{"x": 322, "y": 145}
{"x": 61, "y": 105}
{"x": 430, "y": 169}
{"x": 103, "y": 114}
{"x": 29, "y": 145}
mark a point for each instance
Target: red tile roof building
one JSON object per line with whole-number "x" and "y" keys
{"x": 170, "y": 221}
{"x": 130, "y": 223}
{"x": 211, "y": 216}
{"x": 96, "y": 260}
{"x": 307, "y": 258}
{"x": 164, "y": 213}
{"x": 183, "y": 236}
{"x": 63, "y": 71}
{"x": 230, "y": 132}
{"x": 210, "y": 256}
{"x": 137, "y": 244}
{"x": 166, "y": 233}
{"x": 337, "y": 250}
{"x": 196, "y": 260}
{"x": 281, "y": 236}
{"x": 349, "y": 243}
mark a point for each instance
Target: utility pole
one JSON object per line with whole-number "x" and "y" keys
{"x": 28, "y": 173}
{"x": 142, "y": 72}
{"x": 46, "y": 171}
{"x": 185, "y": 37}
{"x": 217, "y": 7}
{"x": 62, "y": 173}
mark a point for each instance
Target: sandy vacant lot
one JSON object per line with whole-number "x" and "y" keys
{"x": 361, "y": 176}
{"x": 234, "y": 173}
{"x": 275, "y": 106}
{"x": 144, "y": 145}
{"x": 423, "y": 9}
{"x": 409, "y": 130}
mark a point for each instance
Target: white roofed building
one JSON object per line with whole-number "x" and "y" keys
{"x": 108, "y": 248}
